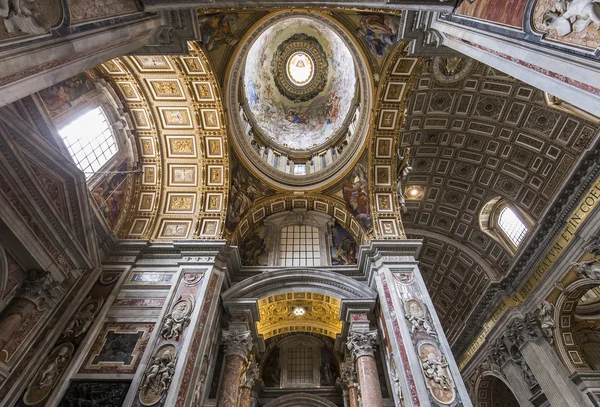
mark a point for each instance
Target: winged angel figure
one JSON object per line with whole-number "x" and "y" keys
{"x": 573, "y": 15}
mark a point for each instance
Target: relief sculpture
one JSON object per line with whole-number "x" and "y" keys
{"x": 416, "y": 315}
{"x": 573, "y": 22}
{"x": 178, "y": 319}
{"x": 49, "y": 373}
{"x": 437, "y": 374}
{"x": 158, "y": 375}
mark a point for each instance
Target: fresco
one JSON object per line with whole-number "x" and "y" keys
{"x": 381, "y": 32}
{"x": 218, "y": 29}
{"x": 109, "y": 195}
{"x": 244, "y": 191}
{"x": 253, "y": 247}
{"x": 66, "y": 94}
{"x": 356, "y": 195}
{"x": 561, "y": 30}
{"x": 343, "y": 251}
{"x": 292, "y": 123}
{"x": 507, "y": 12}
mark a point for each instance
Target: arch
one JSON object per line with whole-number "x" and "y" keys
{"x": 567, "y": 345}
{"x": 177, "y": 114}
{"x": 300, "y": 400}
{"x": 265, "y": 207}
{"x": 489, "y": 217}
{"x": 491, "y": 389}
{"x": 300, "y": 280}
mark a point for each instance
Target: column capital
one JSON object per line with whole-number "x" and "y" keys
{"x": 237, "y": 343}
{"x": 362, "y": 343}
{"x": 523, "y": 330}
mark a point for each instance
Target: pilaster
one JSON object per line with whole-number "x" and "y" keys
{"x": 427, "y": 372}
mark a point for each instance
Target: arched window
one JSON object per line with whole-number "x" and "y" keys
{"x": 511, "y": 225}
{"x": 90, "y": 141}
{"x": 505, "y": 223}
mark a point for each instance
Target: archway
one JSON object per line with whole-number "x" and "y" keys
{"x": 492, "y": 391}
{"x": 300, "y": 400}
{"x": 576, "y": 326}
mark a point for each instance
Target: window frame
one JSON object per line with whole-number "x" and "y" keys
{"x": 109, "y": 128}
{"x": 489, "y": 223}
{"x": 105, "y": 97}
{"x": 298, "y": 217}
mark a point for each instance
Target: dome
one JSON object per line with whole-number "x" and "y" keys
{"x": 299, "y": 100}
{"x": 299, "y": 83}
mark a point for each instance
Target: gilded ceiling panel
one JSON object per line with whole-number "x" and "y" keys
{"x": 299, "y": 312}
{"x": 176, "y": 108}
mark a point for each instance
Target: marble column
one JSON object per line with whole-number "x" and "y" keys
{"x": 250, "y": 378}
{"x": 362, "y": 345}
{"x": 237, "y": 349}
{"x": 349, "y": 383}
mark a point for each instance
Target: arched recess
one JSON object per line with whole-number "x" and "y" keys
{"x": 489, "y": 218}
{"x": 243, "y": 298}
{"x": 300, "y": 399}
{"x": 492, "y": 390}
{"x": 566, "y": 341}
{"x": 263, "y": 208}
{"x": 307, "y": 280}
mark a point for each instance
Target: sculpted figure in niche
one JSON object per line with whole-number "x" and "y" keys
{"x": 572, "y": 15}
{"x": 546, "y": 316}
{"x": 403, "y": 168}
{"x": 589, "y": 269}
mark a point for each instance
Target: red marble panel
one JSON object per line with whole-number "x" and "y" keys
{"x": 506, "y": 12}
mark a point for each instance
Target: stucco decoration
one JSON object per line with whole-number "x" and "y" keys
{"x": 299, "y": 312}
{"x": 23, "y": 17}
{"x": 574, "y": 22}
{"x": 289, "y": 112}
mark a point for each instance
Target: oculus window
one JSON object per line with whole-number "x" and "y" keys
{"x": 512, "y": 226}
{"x": 90, "y": 141}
